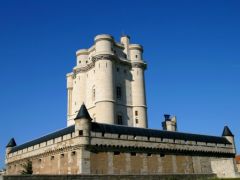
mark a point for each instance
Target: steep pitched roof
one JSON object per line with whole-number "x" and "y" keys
{"x": 11, "y": 143}
{"x": 227, "y": 132}
{"x": 53, "y": 135}
{"x": 83, "y": 113}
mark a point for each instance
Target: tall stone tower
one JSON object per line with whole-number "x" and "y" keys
{"x": 109, "y": 79}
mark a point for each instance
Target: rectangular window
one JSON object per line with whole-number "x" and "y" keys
{"x": 133, "y": 154}
{"x": 119, "y": 92}
{"x": 80, "y": 132}
{"x": 119, "y": 120}
{"x": 136, "y": 113}
{"x": 136, "y": 120}
{"x": 116, "y": 153}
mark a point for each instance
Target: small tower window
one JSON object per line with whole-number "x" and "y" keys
{"x": 136, "y": 56}
{"x": 73, "y": 153}
{"x": 119, "y": 120}
{"x": 136, "y": 120}
{"x": 119, "y": 92}
{"x": 80, "y": 132}
{"x": 136, "y": 113}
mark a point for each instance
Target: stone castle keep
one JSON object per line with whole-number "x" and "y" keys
{"x": 107, "y": 130}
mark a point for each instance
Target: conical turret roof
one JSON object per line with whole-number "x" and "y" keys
{"x": 11, "y": 143}
{"x": 83, "y": 113}
{"x": 227, "y": 132}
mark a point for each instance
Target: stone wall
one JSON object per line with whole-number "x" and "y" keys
{"x": 224, "y": 167}
{"x": 114, "y": 177}
{"x": 143, "y": 163}
{"x": 238, "y": 167}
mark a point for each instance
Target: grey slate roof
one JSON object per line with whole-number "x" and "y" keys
{"x": 11, "y": 143}
{"x": 83, "y": 113}
{"x": 53, "y": 135}
{"x": 117, "y": 129}
{"x": 227, "y": 132}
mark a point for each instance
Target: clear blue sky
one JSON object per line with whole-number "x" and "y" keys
{"x": 192, "y": 49}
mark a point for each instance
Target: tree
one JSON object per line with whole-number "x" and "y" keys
{"x": 27, "y": 168}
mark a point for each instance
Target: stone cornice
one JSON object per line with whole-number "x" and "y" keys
{"x": 129, "y": 149}
{"x": 159, "y": 146}
{"x": 110, "y": 57}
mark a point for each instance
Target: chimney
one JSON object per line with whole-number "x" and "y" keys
{"x": 169, "y": 124}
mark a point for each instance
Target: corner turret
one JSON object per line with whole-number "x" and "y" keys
{"x": 229, "y": 136}
{"x": 83, "y": 124}
{"x": 12, "y": 143}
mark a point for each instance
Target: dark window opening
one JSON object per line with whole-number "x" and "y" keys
{"x": 149, "y": 154}
{"x": 119, "y": 92}
{"x": 52, "y": 157}
{"x": 133, "y": 153}
{"x": 136, "y": 121}
{"x": 62, "y": 155}
{"x": 116, "y": 153}
{"x": 136, "y": 56}
{"x": 117, "y": 69}
{"x": 162, "y": 155}
{"x": 119, "y": 120}
{"x": 136, "y": 113}
{"x": 73, "y": 153}
{"x": 80, "y": 132}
